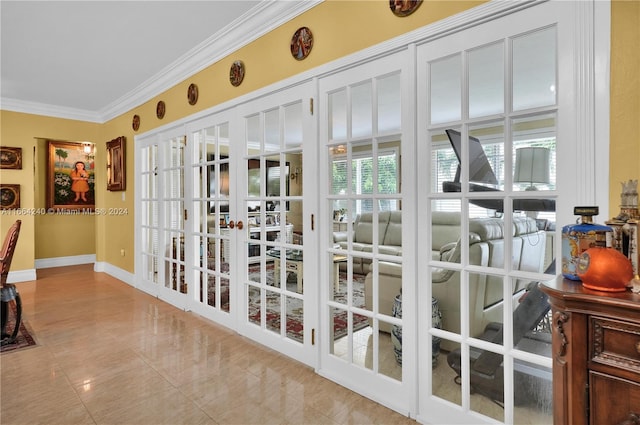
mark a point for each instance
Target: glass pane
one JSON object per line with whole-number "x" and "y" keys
{"x": 446, "y": 89}
{"x": 390, "y": 351}
{"x": 293, "y": 125}
{"x": 487, "y": 395}
{"x": 339, "y": 342}
{"x": 294, "y": 224}
{"x": 279, "y": 269}
{"x": 259, "y": 271}
{"x": 208, "y": 288}
{"x": 486, "y": 80}
{"x": 272, "y": 130}
{"x": 273, "y": 311}
{"x": 445, "y": 166}
{"x": 389, "y": 168}
{"x": 210, "y": 143}
{"x": 362, "y": 170}
{"x": 486, "y": 158}
{"x": 254, "y": 306}
{"x": 253, "y": 133}
{"x": 361, "y": 110}
{"x": 533, "y": 393}
{"x": 295, "y": 319}
{"x": 337, "y": 156}
{"x": 534, "y": 157}
{"x": 338, "y": 115}
{"x": 225, "y": 305}
{"x": 445, "y": 384}
{"x": 389, "y": 104}
{"x": 363, "y": 346}
{"x": 446, "y": 290}
{"x": 534, "y": 69}
{"x": 485, "y": 299}
{"x": 254, "y": 180}
{"x": 445, "y": 232}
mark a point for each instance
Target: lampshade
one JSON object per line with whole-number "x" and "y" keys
{"x": 532, "y": 166}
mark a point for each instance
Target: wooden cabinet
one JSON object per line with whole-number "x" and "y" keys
{"x": 596, "y": 355}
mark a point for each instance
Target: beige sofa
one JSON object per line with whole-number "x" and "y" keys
{"x": 389, "y": 237}
{"x": 486, "y": 248}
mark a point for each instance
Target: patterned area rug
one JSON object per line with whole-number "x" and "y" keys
{"x": 294, "y": 311}
{"x": 25, "y": 338}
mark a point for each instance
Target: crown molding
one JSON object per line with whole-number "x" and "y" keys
{"x": 260, "y": 20}
{"x": 36, "y": 108}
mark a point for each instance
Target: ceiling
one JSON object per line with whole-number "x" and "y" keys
{"x": 94, "y": 60}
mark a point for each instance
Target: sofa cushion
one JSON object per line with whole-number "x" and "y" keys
{"x": 393, "y": 235}
{"x": 445, "y": 228}
{"x": 363, "y": 227}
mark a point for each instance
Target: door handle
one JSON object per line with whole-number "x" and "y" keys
{"x": 240, "y": 225}
{"x": 232, "y": 224}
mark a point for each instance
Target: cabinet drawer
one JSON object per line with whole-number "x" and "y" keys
{"x": 627, "y": 400}
{"x": 615, "y": 343}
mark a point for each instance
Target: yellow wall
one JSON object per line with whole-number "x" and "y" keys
{"x": 624, "y": 148}
{"x": 340, "y": 28}
{"x": 43, "y": 235}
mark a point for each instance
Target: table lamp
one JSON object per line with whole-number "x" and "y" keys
{"x": 532, "y": 167}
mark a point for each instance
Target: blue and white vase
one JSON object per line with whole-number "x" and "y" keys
{"x": 396, "y": 331}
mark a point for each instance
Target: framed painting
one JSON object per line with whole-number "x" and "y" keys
{"x": 9, "y": 196}
{"x": 70, "y": 176}
{"x": 116, "y": 164}
{"x": 10, "y": 158}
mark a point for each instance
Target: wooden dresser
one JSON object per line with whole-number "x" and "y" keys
{"x": 596, "y": 355}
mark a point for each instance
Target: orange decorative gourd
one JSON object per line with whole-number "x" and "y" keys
{"x": 604, "y": 269}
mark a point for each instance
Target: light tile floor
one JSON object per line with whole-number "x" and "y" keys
{"x": 110, "y": 354}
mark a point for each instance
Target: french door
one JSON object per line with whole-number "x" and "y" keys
{"x": 212, "y": 175}
{"x": 162, "y": 242}
{"x": 488, "y": 97}
{"x": 277, "y": 285}
{"x": 368, "y": 344}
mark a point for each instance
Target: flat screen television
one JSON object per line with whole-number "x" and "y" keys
{"x": 480, "y": 170}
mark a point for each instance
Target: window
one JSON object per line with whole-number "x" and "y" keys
{"x": 362, "y": 180}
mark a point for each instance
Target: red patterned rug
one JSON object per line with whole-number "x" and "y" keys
{"x": 25, "y": 338}
{"x": 294, "y": 311}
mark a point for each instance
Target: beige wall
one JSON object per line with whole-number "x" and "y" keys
{"x": 340, "y": 28}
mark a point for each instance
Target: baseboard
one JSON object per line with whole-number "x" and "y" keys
{"x": 21, "y": 276}
{"x": 118, "y": 273}
{"x": 45, "y": 263}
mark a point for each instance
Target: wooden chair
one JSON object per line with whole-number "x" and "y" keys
{"x": 8, "y": 291}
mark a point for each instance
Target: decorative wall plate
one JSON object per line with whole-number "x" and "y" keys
{"x": 301, "y": 43}
{"x": 160, "y": 109}
{"x": 10, "y": 158}
{"x": 136, "y": 122}
{"x": 404, "y": 7}
{"x": 236, "y": 73}
{"x": 9, "y": 196}
{"x": 192, "y": 94}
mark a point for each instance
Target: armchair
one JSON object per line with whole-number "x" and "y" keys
{"x": 8, "y": 292}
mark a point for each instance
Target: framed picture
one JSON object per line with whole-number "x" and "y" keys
{"x": 10, "y": 158}
{"x": 9, "y": 196}
{"x": 116, "y": 164}
{"x": 70, "y": 175}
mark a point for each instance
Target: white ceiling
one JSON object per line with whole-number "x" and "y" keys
{"x": 94, "y": 60}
